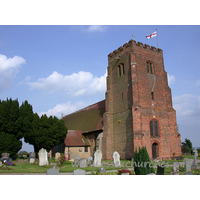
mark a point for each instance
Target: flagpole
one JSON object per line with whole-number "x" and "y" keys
{"x": 157, "y": 37}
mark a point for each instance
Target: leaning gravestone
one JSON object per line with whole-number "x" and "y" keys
{"x": 57, "y": 156}
{"x": 43, "y": 160}
{"x": 82, "y": 163}
{"x": 97, "y": 158}
{"x": 116, "y": 158}
{"x": 5, "y": 157}
{"x": 79, "y": 172}
{"x": 52, "y": 171}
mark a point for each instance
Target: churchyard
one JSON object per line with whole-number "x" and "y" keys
{"x": 96, "y": 166}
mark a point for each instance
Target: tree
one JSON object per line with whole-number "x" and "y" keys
{"x": 46, "y": 132}
{"x": 187, "y": 146}
{"x": 10, "y": 127}
{"x": 142, "y": 162}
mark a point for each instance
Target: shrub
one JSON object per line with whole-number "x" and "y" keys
{"x": 142, "y": 162}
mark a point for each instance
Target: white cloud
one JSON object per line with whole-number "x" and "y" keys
{"x": 171, "y": 79}
{"x": 64, "y": 108}
{"x": 76, "y": 84}
{"x": 96, "y": 28}
{"x": 9, "y": 67}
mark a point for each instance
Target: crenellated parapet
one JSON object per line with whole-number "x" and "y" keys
{"x": 132, "y": 44}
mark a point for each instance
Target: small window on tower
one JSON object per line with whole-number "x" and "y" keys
{"x": 122, "y": 96}
{"x": 154, "y": 131}
{"x": 149, "y": 67}
{"x": 152, "y": 95}
{"x": 119, "y": 70}
{"x": 122, "y": 64}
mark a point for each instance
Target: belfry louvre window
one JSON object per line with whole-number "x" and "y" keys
{"x": 154, "y": 128}
{"x": 149, "y": 67}
{"x": 121, "y": 69}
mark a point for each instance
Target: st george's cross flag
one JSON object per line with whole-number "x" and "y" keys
{"x": 154, "y": 34}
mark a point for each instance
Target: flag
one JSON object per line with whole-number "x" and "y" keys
{"x": 154, "y": 34}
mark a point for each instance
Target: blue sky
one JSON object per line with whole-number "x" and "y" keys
{"x": 60, "y": 69}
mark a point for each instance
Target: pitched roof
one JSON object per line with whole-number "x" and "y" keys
{"x": 75, "y": 138}
{"x": 87, "y": 119}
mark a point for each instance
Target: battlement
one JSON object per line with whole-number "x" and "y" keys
{"x": 133, "y": 43}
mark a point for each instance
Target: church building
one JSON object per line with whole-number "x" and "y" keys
{"x": 137, "y": 110}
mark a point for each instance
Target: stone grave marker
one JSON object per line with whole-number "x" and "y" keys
{"x": 32, "y": 157}
{"x": 43, "y": 160}
{"x": 188, "y": 164}
{"x": 82, "y": 163}
{"x": 160, "y": 170}
{"x": 195, "y": 164}
{"x": 103, "y": 170}
{"x": 89, "y": 160}
{"x": 116, "y": 158}
{"x": 79, "y": 172}
{"x": 5, "y": 157}
{"x": 76, "y": 158}
{"x": 175, "y": 167}
{"x": 57, "y": 156}
{"x": 97, "y": 158}
{"x": 52, "y": 171}
{"x": 189, "y": 173}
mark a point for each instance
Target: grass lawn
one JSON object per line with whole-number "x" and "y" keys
{"x": 25, "y": 167}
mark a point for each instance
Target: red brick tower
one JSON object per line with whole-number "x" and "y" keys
{"x": 139, "y": 109}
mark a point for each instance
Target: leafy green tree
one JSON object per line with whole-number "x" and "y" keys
{"x": 142, "y": 165}
{"x": 187, "y": 146}
{"x": 46, "y": 132}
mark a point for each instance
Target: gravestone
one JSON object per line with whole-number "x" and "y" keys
{"x": 89, "y": 160}
{"x": 76, "y": 158}
{"x": 103, "y": 170}
{"x": 175, "y": 167}
{"x": 82, "y": 163}
{"x": 188, "y": 164}
{"x": 116, "y": 158}
{"x": 57, "y": 156}
{"x": 31, "y": 155}
{"x": 160, "y": 170}
{"x": 97, "y": 158}
{"x": 195, "y": 164}
{"x": 32, "y": 160}
{"x": 52, "y": 171}
{"x": 189, "y": 173}
{"x": 43, "y": 160}
{"x": 5, "y": 157}
{"x": 79, "y": 172}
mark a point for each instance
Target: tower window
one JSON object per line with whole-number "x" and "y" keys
{"x": 121, "y": 69}
{"x": 149, "y": 67}
{"x": 122, "y": 96}
{"x": 152, "y": 95}
{"x": 154, "y": 128}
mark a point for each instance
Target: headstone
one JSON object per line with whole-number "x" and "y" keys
{"x": 57, "y": 156}
{"x": 160, "y": 170}
{"x": 195, "y": 164}
{"x": 79, "y": 172}
{"x": 31, "y": 155}
{"x": 189, "y": 173}
{"x": 5, "y": 157}
{"x": 97, "y": 158}
{"x": 52, "y": 171}
{"x": 76, "y": 158}
{"x": 188, "y": 164}
{"x": 175, "y": 167}
{"x": 43, "y": 160}
{"x": 89, "y": 160}
{"x": 82, "y": 163}
{"x": 32, "y": 160}
{"x": 116, "y": 158}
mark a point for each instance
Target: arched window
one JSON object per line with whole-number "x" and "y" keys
{"x": 121, "y": 70}
{"x": 149, "y": 67}
{"x": 154, "y": 128}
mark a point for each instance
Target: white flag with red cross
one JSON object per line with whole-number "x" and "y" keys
{"x": 154, "y": 34}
